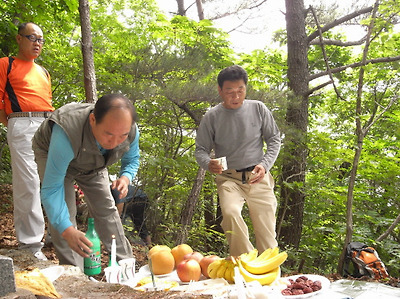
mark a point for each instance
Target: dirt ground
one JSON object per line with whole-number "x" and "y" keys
{"x": 77, "y": 285}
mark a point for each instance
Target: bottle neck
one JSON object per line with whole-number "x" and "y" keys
{"x": 91, "y": 224}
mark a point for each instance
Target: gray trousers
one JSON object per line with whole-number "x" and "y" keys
{"x": 101, "y": 206}
{"x": 28, "y": 214}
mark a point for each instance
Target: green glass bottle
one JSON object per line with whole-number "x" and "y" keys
{"x": 92, "y": 264}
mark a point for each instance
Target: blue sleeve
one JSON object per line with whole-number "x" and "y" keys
{"x": 52, "y": 191}
{"x": 130, "y": 160}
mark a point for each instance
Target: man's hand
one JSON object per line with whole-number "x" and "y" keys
{"x": 214, "y": 166}
{"x": 3, "y": 118}
{"x": 257, "y": 174}
{"x": 121, "y": 185}
{"x": 77, "y": 241}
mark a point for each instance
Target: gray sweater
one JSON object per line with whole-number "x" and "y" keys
{"x": 238, "y": 134}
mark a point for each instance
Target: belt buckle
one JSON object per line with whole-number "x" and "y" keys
{"x": 244, "y": 177}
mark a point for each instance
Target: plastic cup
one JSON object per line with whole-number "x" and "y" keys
{"x": 222, "y": 161}
{"x": 127, "y": 268}
{"x": 113, "y": 274}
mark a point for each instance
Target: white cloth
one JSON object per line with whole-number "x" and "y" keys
{"x": 28, "y": 214}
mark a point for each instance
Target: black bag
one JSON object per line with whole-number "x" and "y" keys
{"x": 365, "y": 261}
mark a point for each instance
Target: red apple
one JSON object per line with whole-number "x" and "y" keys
{"x": 195, "y": 255}
{"x": 205, "y": 261}
{"x": 188, "y": 270}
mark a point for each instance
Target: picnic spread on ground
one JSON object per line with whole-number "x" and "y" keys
{"x": 250, "y": 275}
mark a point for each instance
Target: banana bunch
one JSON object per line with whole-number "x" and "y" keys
{"x": 264, "y": 268}
{"x": 222, "y": 268}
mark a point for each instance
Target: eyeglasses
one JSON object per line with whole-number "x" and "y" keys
{"x": 34, "y": 39}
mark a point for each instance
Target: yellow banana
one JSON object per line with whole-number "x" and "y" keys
{"x": 213, "y": 268}
{"x": 222, "y": 268}
{"x": 266, "y": 254}
{"x": 230, "y": 273}
{"x": 249, "y": 256}
{"x": 263, "y": 279}
{"x": 266, "y": 265}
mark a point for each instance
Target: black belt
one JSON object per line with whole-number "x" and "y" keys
{"x": 243, "y": 171}
{"x": 44, "y": 114}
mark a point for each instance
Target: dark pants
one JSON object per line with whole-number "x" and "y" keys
{"x": 136, "y": 202}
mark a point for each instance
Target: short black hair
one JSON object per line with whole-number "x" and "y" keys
{"x": 113, "y": 101}
{"x": 232, "y": 73}
{"x": 22, "y": 26}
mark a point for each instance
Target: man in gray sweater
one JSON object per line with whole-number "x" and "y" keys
{"x": 237, "y": 129}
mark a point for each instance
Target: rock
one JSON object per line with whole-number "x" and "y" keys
{"x": 7, "y": 280}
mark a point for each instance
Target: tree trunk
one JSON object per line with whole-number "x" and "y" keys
{"x": 87, "y": 52}
{"x": 188, "y": 211}
{"x": 181, "y": 7}
{"x": 290, "y": 215}
{"x": 200, "y": 11}
{"x": 361, "y": 132}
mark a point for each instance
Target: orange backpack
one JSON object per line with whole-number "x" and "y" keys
{"x": 365, "y": 261}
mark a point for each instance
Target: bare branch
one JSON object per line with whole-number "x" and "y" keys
{"x": 326, "y": 60}
{"x": 257, "y": 5}
{"x": 336, "y": 22}
{"x": 314, "y": 89}
{"x": 392, "y": 101}
{"x": 244, "y": 6}
{"x": 240, "y": 25}
{"x": 354, "y": 65}
{"x": 389, "y": 230}
{"x": 331, "y": 42}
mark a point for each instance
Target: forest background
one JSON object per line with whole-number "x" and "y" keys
{"x": 335, "y": 101}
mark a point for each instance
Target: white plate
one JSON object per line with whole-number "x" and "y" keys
{"x": 325, "y": 283}
{"x": 52, "y": 273}
{"x": 145, "y": 271}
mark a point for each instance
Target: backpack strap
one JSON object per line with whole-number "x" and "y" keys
{"x": 10, "y": 91}
{"x": 46, "y": 72}
{"x": 10, "y": 61}
{"x": 350, "y": 249}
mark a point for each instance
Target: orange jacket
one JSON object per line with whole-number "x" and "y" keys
{"x": 31, "y": 86}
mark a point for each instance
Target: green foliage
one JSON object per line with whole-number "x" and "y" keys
{"x": 5, "y": 162}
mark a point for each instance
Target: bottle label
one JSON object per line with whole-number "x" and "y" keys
{"x": 95, "y": 258}
{"x": 92, "y": 264}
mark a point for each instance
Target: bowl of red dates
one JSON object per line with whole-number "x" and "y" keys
{"x": 304, "y": 286}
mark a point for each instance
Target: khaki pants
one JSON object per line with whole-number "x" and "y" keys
{"x": 261, "y": 202}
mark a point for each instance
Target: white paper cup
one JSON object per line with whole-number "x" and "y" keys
{"x": 113, "y": 274}
{"x": 127, "y": 268}
{"x": 222, "y": 161}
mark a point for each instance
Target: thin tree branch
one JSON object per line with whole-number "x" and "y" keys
{"x": 314, "y": 89}
{"x": 324, "y": 54}
{"x": 389, "y": 230}
{"x": 373, "y": 121}
{"x": 339, "y": 43}
{"x": 336, "y": 22}
{"x": 354, "y": 65}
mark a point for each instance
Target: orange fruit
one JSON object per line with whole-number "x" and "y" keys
{"x": 157, "y": 248}
{"x": 179, "y": 252}
{"x": 163, "y": 262}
